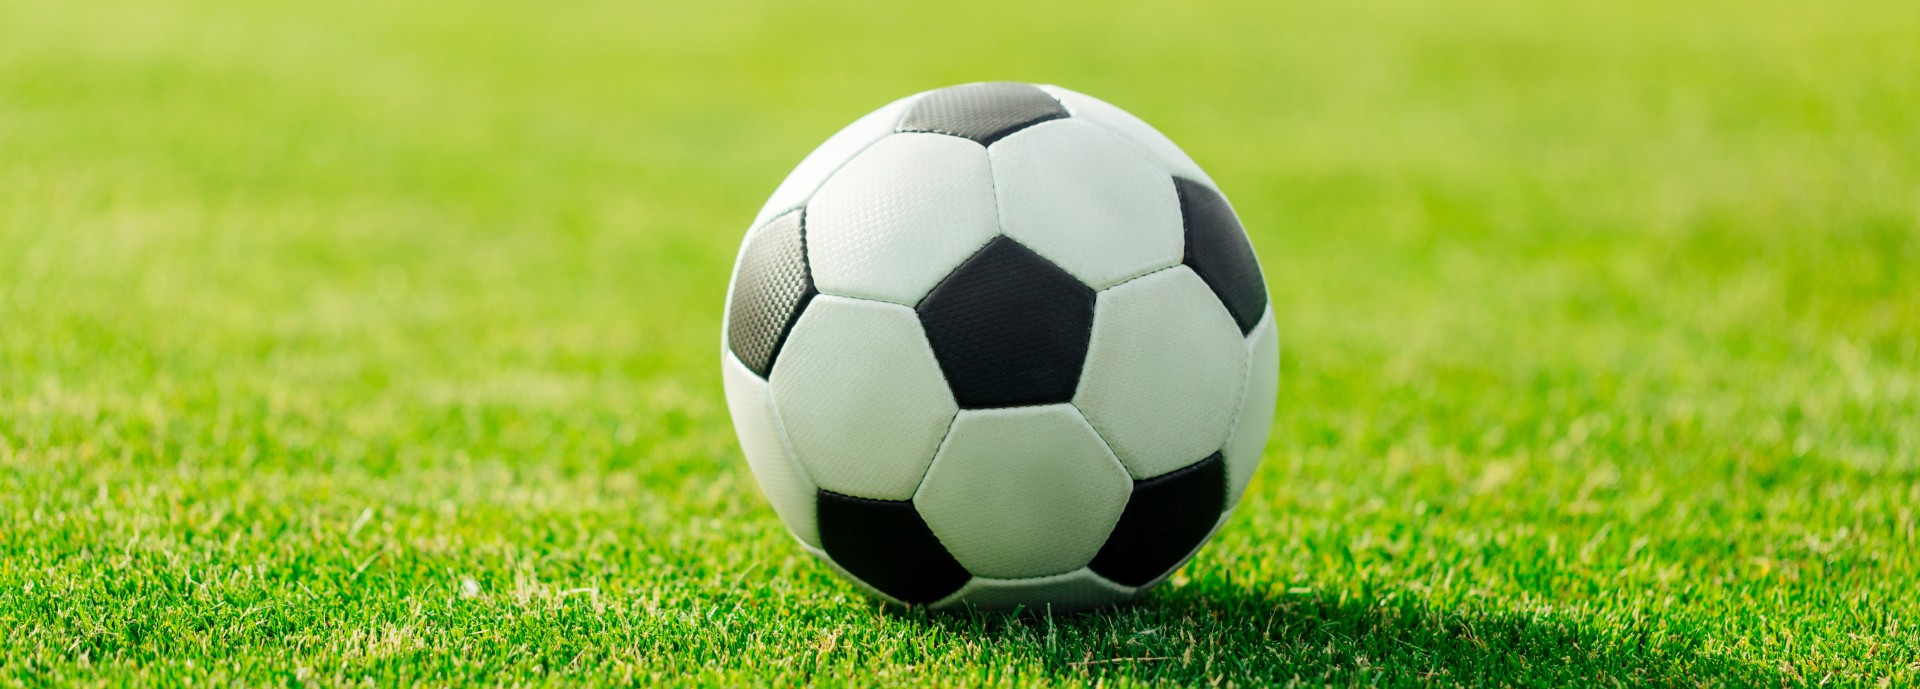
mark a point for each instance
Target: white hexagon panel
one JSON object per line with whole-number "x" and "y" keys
{"x": 1135, "y": 130}
{"x": 1088, "y": 201}
{"x": 861, "y": 397}
{"x": 899, "y": 216}
{"x": 1164, "y": 371}
{"x": 1023, "y": 491}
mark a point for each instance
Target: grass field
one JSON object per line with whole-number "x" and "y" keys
{"x": 350, "y": 342}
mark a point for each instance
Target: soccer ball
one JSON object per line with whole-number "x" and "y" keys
{"x": 1002, "y": 345}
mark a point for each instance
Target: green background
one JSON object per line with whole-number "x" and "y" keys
{"x": 349, "y": 341}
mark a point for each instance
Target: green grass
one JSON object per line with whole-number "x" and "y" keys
{"x": 348, "y": 342}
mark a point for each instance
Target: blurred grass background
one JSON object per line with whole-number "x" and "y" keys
{"x": 376, "y": 341}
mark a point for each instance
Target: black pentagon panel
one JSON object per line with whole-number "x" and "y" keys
{"x": 1009, "y": 328}
{"x": 1218, "y": 249}
{"x": 1167, "y": 517}
{"x": 887, "y": 545}
{"x": 773, "y": 285}
{"x": 985, "y": 112}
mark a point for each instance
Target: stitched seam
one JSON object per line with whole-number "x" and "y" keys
{"x": 990, "y": 139}
{"x": 943, "y": 544}
{"x": 799, "y": 306}
{"x": 892, "y": 129}
{"x": 1246, "y": 388}
{"x": 1165, "y": 165}
{"x": 963, "y": 262}
{"x": 943, "y": 434}
{"x": 786, "y": 444}
{"x": 937, "y": 447}
{"x": 787, "y": 453}
{"x": 1153, "y": 272}
{"x": 1103, "y": 437}
{"x": 1000, "y": 230}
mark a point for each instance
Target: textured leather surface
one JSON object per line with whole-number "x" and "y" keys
{"x": 861, "y": 397}
{"x": 1074, "y": 591}
{"x": 1164, "y": 372}
{"x": 1224, "y": 516}
{"x": 1090, "y": 109}
{"x": 1009, "y": 328}
{"x": 771, "y": 286}
{"x": 1166, "y": 519}
{"x": 813, "y": 170}
{"x": 779, "y": 476}
{"x": 887, "y": 546}
{"x": 1113, "y": 286}
{"x": 1088, "y": 201}
{"x": 900, "y": 216}
{"x": 1255, "y": 419}
{"x": 1219, "y": 251}
{"x": 864, "y": 587}
{"x": 1023, "y": 492}
{"x": 983, "y": 112}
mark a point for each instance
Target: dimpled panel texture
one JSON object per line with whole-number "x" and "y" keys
{"x": 900, "y": 216}
{"x": 901, "y": 221}
{"x": 1077, "y": 590}
{"x": 982, "y": 112}
{"x": 1164, "y": 372}
{"x": 785, "y": 485}
{"x": 1167, "y": 518}
{"x": 823, "y": 161}
{"x": 1162, "y": 149}
{"x": 887, "y": 545}
{"x": 1023, "y": 492}
{"x": 861, "y": 397}
{"x": 1218, "y": 250}
{"x": 1009, "y": 328}
{"x": 1088, "y": 201}
{"x": 771, "y": 285}
{"x": 1249, "y": 437}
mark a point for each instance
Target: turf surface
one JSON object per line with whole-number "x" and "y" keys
{"x": 356, "y": 341}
